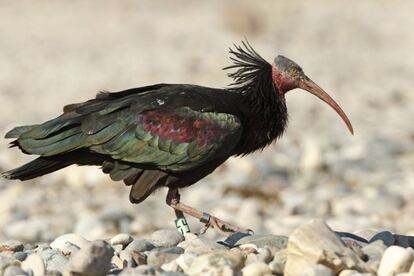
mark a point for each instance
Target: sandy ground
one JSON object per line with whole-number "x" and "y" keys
{"x": 57, "y": 52}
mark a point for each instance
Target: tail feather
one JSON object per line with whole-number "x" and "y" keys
{"x": 35, "y": 168}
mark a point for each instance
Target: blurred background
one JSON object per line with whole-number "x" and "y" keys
{"x": 54, "y": 53}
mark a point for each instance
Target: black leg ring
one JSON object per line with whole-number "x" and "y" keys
{"x": 205, "y": 218}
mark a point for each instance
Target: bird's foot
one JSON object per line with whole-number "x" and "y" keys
{"x": 173, "y": 200}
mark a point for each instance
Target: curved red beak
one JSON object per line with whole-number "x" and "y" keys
{"x": 307, "y": 84}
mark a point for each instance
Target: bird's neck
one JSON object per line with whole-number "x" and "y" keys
{"x": 266, "y": 118}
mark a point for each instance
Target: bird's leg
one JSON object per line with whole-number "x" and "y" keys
{"x": 181, "y": 222}
{"x": 173, "y": 200}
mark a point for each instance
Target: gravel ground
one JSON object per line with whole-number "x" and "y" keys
{"x": 55, "y": 53}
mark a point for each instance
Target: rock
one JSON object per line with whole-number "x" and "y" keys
{"x": 396, "y": 260}
{"x": 173, "y": 250}
{"x": 14, "y": 271}
{"x": 386, "y": 236}
{"x": 171, "y": 266}
{"x": 6, "y": 262}
{"x": 249, "y": 248}
{"x": 200, "y": 245}
{"x": 53, "y": 260}
{"x": 21, "y": 256}
{"x": 251, "y": 258}
{"x": 69, "y": 249}
{"x": 172, "y": 273}
{"x": 157, "y": 259}
{"x": 265, "y": 255}
{"x": 65, "y": 243}
{"x": 120, "y": 263}
{"x": 11, "y": 245}
{"x": 35, "y": 263}
{"x": 185, "y": 260}
{"x": 138, "y": 258}
{"x": 349, "y": 272}
{"x": 93, "y": 259}
{"x": 315, "y": 243}
{"x": 404, "y": 241}
{"x": 256, "y": 269}
{"x": 317, "y": 270}
{"x": 374, "y": 252}
{"x": 278, "y": 242}
{"x": 140, "y": 270}
{"x": 127, "y": 256}
{"x": 166, "y": 238}
{"x": 277, "y": 265}
{"x": 140, "y": 246}
{"x": 122, "y": 239}
{"x": 216, "y": 262}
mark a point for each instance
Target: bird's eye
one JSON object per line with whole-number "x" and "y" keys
{"x": 293, "y": 71}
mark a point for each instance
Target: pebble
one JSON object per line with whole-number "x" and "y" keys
{"x": 69, "y": 249}
{"x": 396, "y": 260}
{"x": 6, "y": 261}
{"x": 138, "y": 258}
{"x": 185, "y": 261}
{"x": 122, "y": 239}
{"x": 157, "y": 259}
{"x": 140, "y": 270}
{"x": 265, "y": 255}
{"x": 173, "y": 250}
{"x": 200, "y": 245}
{"x": 277, "y": 265}
{"x": 35, "y": 263}
{"x": 275, "y": 241}
{"x": 350, "y": 272}
{"x": 317, "y": 270}
{"x": 374, "y": 252}
{"x": 171, "y": 266}
{"x": 315, "y": 243}
{"x": 140, "y": 246}
{"x": 257, "y": 269}
{"x": 120, "y": 263}
{"x": 14, "y": 271}
{"x": 53, "y": 260}
{"x": 11, "y": 245}
{"x": 64, "y": 243}
{"x": 166, "y": 238}
{"x": 21, "y": 256}
{"x": 216, "y": 262}
{"x": 385, "y": 236}
{"x": 94, "y": 259}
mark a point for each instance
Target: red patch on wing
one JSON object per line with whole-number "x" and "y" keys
{"x": 180, "y": 129}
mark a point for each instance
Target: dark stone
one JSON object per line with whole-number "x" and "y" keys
{"x": 386, "y": 236}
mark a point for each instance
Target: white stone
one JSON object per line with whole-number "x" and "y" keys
{"x": 395, "y": 260}
{"x": 317, "y": 270}
{"x": 60, "y": 242}
{"x": 315, "y": 243}
{"x": 166, "y": 238}
{"x": 122, "y": 239}
{"x": 350, "y": 272}
{"x": 94, "y": 259}
{"x": 35, "y": 263}
{"x": 256, "y": 269}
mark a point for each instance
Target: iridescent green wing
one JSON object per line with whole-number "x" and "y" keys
{"x": 173, "y": 140}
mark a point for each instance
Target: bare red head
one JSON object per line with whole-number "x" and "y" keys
{"x": 287, "y": 75}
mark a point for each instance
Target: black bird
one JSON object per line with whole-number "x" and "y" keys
{"x": 170, "y": 135}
